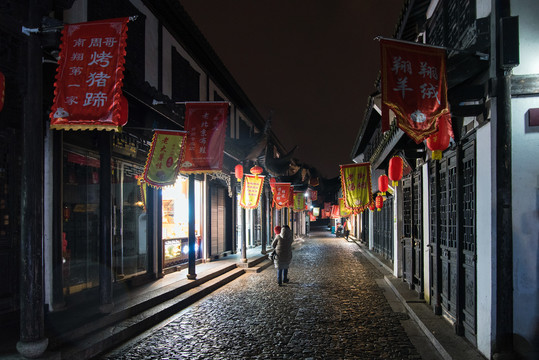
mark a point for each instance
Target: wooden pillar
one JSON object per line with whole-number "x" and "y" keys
{"x": 191, "y": 275}
{"x": 150, "y": 231}
{"x": 33, "y": 342}
{"x": 105, "y": 223}
{"x": 243, "y": 236}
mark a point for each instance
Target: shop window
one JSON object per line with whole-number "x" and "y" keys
{"x": 129, "y": 221}
{"x": 175, "y": 226}
{"x": 80, "y": 243}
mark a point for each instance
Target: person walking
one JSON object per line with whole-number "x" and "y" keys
{"x": 283, "y": 250}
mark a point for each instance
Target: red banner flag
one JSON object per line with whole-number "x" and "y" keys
{"x": 251, "y": 191}
{"x": 311, "y": 216}
{"x": 327, "y": 207}
{"x": 89, "y": 77}
{"x": 356, "y": 186}
{"x": 281, "y": 194}
{"x": 414, "y": 85}
{"x": 164, "y": 158}
{"x": 335, "y": 212}
{"x": 206, "y": 127}
{"x": 314, "y": 195}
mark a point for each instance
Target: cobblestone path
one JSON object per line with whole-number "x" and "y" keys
{"x": 331, "y": 309}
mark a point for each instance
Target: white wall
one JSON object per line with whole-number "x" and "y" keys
{"x": 525, "y": 185}
{"x": 485, "y": 228}
{"x": 525, "y": 205}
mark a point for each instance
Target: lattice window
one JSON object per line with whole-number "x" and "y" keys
{"x": 443, "y": 202}
{"x": 433, "y": 206}
{"x": 407, "y": 206}
{"x": 452, "y": 206}
{"x": 416, "y": 203}
{"x": 468, "y": 192}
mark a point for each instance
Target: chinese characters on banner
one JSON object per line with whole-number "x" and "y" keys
{"x": 344, "y": 211}
{"x": 299, "y": 201}
{"x": 164, "y": 158}
{"x": 206, "y": 127}
{"x": 314, "y": 195}
{"x": 356, "y": 186}
{"x": 281, "y": 195}
{"x": 414, "y": 85}
{"x": 89, "y": 76}
{"x": 251, "y": 191}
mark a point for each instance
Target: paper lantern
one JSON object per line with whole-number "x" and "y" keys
{"x": 124, "y": 111}
{"x": 238, "y": 171}
{"x": 395, "y": 169}
{"x": 383, "y": 184}
{"x": 379, "y": 202}
{"x": 372, "y": 206}
{"x": 256, "y": 170}
{"x": 439, "y": 141}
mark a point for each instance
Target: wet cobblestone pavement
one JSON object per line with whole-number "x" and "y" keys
{"x": 332, "y": 308}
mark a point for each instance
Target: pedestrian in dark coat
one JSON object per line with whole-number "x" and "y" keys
{"x": 283, "y": 248}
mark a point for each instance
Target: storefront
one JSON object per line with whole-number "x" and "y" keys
{"x": 175, "y": 224}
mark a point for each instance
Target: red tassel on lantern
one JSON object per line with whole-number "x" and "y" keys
{"x": 439, "y": 141}
{"x": 395, "y": 169}
{"x": 238, "y": 171}
{"x": 256, "y": 170}
{"x": 372, "y": 207}
{"x": 383, "y": 184}
{"x": 379, "y": 202}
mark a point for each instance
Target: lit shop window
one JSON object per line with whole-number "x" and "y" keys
{"x": 175, "y": 226}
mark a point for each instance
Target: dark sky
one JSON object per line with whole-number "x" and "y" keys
{"x": 313, "y": 62}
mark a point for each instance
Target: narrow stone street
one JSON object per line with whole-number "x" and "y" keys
{"x": 334, "y": 307}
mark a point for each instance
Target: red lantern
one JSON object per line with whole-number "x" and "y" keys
{"x": 256, "y": 170}
{"x": 379, "y": 202}
{"x": 439, "y": 141}
{"x": 124, "y": 111}
{"x": 372, "y": 207}
{"x": 395, "y": 169}
{"x": 383, "y": 184}
{"x": 238, "y": 171}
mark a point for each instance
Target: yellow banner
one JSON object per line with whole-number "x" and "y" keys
{"x": 345, "y": 212}
{"x": 251, "y": 191}
{"x": 164, "y": 158}
{"x": 356, "y": 186}
{"x": 299, "y": 201}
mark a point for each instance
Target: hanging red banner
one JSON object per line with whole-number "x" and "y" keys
{"x": 89, "y": 76}
{"x": 251, "y": 191}
{"x": 335, "y": 212}
{"x": 164, "y": 158}
{"x": 356, "y": 186}
{"x": 314, "y": 195}
{"x": 206, "y": 127}
{"x": 343, "y": 210}
{"x": 299, "y": 201}
{"x": 312, "y": 217}
{"x": 327, "y": 207}
{"x": 281, "y": 194}
{"x": 414, "y": 85}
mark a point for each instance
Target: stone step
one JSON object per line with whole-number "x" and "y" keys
{"x": 127, "y": 323}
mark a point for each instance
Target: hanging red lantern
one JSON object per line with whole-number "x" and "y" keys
{"x": 256, "y": 170}
{"x": 238, "y": 171}
{"x": 439, "y": 141}
{"x": 395, "y": 169}
{"x": 372, "y": 206}
{"x": 383, "y": 184}
{"x": 379, "y": 202}
{"x": 124, "y": 111}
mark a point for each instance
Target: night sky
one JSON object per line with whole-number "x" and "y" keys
{"x": 312, "y": 62}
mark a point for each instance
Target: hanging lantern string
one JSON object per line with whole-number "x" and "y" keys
{"x": 27, "y": 31}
